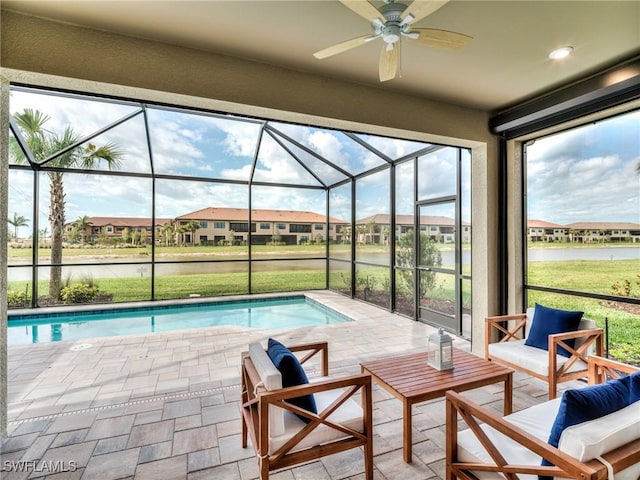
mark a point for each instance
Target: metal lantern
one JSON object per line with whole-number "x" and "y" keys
{"x": 440, "y": 350}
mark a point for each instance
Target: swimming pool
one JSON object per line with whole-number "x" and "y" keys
{"x": 269, "y": 313}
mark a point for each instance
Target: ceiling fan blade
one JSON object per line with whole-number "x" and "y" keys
{"x": 441, "y": 38}
{"x": 420, "y": 9}
{"x": 364, "y": 9}
{"x": 388, "y": 63}
{"x": 343, "y": 46}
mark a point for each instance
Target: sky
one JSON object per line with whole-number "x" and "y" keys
{"x": 586, "y": 174}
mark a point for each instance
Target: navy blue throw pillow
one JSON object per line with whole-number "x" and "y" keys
{"x": 634, "y": 387}
{"x": 292, "y": 374}
{"x": 588, "y": 403}
{"x": 547, "y": 321}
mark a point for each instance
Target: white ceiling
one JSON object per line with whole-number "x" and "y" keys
{"x": 505, "y": 64}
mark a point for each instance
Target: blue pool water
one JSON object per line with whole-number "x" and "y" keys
{"x": 289, "y": 312}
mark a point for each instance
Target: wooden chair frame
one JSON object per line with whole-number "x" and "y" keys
{"x": 565, "y": 465}
{"x": 256, "y": 401}
{"x": 512, "y": 327}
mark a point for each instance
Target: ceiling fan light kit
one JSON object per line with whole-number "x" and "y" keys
{"x": 392, "y": 22}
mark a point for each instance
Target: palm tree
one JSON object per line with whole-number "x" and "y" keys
{"x": 346, "y": 234}
{"x": 126, "y": 234}
{"x": 83, "y": 223}
{"x": 360, "y": 230}
{"x": 44, "y": 146}
{"x": 42, "y": 235}
{"x": 181, "y": 231}
{"x": 371, "y": 230}
{"x": 168, "y": 230}
{"x": 385, "y": 235}
{"x": 192, "y": 226}
{"x": 18, "y": 221}
{"x": 231, "y": 237}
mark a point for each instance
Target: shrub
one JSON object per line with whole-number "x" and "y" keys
{"x": 79, "y": 293}
{"x": 16, "y": 298}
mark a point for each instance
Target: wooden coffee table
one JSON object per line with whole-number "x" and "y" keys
{"x": 411, "y": 380}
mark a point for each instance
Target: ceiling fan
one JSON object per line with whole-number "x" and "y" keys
{"x": 391, "y": 22}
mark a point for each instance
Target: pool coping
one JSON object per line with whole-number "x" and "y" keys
{"x": 45, "y": 317}
{"x": 61, "y": 310}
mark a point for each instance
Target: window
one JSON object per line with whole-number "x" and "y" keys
{"x": 299, "y": 228}
{"x": 219, "y": 225}
{"x": 265, "y": 226}
{"x": 585, "y": 182}
{"x": 318, "y": 226}
{"x": 203, "y": 224}
{"x": 282, "y": 226}
{"x": 239, "y": 227}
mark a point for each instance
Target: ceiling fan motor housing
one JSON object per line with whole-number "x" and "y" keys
{"x": 392, "y": 28}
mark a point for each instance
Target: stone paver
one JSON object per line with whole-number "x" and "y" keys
{"x": 167, "y": 405}
{"x": 112, "y": 466}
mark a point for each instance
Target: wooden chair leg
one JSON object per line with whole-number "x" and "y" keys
{"x": 367, "y": 408}
{"x": 553, "y": 384}
{"x": 368, "y": 461}
{"x": 244, "y": 433}
{"x": 264, "y": 469}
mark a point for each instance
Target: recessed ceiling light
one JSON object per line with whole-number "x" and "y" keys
{"x": 559, "y": 53}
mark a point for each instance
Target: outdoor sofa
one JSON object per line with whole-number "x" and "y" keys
{"x": 511, "y": 447}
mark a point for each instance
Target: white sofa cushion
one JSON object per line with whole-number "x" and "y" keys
{"x": 272, "y": 380}
{"x": 536, "y": 420}
{"x": 531, "y": 358}
{"x": 584, "y": 441}
{"x": 348, "y": 414}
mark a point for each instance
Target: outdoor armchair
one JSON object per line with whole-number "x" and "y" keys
{"x": 284, "y": 434}
{"x": 561, "y": 358}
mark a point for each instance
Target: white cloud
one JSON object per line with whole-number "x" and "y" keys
{"x": 590, "y": 189}
{"x": 173, "y": 150}
{"x": 240, "y": 137}
{"x": 289, "y": 199}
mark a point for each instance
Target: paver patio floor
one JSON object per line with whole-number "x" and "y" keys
{"x": 166, "y": 405}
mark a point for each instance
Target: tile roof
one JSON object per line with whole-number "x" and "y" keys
{"x": 542, "y": 224}
{"x": 604, "y": 226}
{"x": 124, "y": 221}
{"x": 257, "y": 215}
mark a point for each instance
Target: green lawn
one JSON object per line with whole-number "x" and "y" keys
{"x": 595, "y": 276}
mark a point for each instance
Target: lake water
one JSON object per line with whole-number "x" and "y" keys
{"x": 583, "y": 253}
